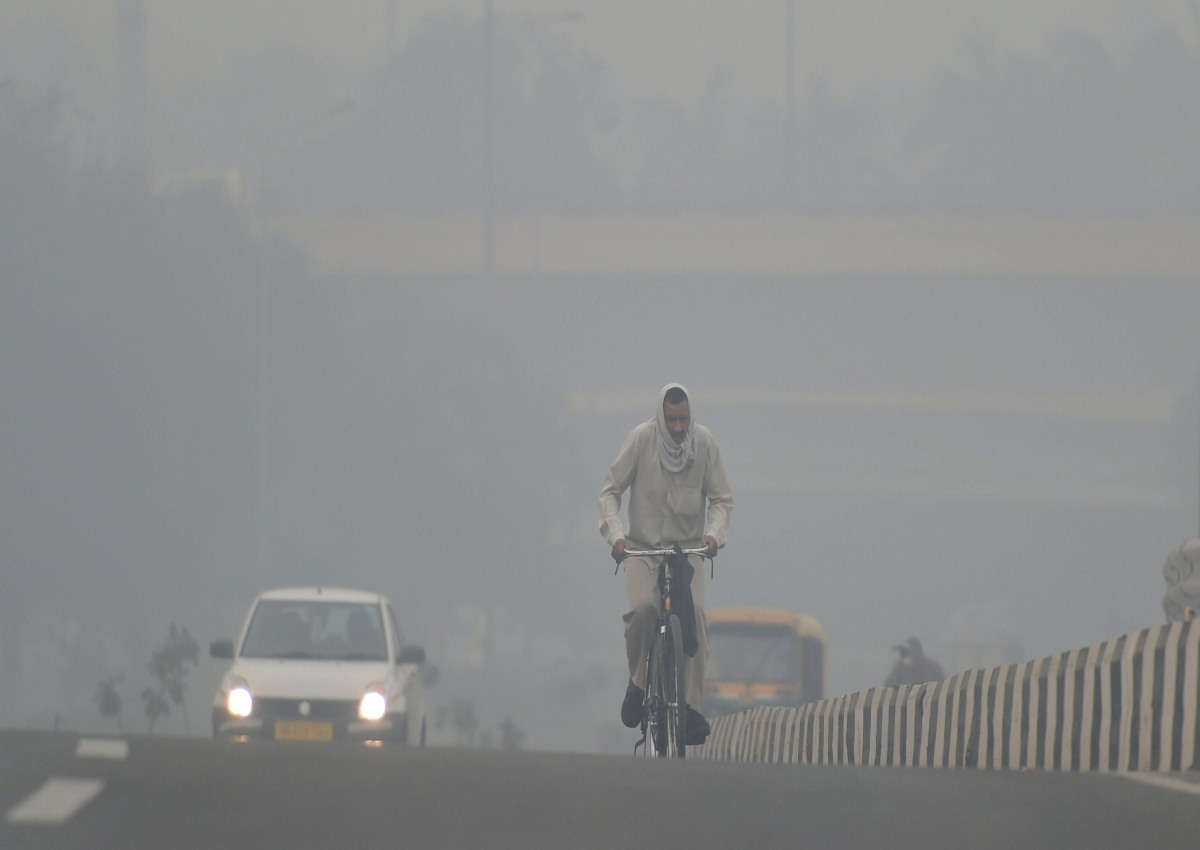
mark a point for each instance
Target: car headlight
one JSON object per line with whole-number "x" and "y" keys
{"x": 240, "y": 701}
{"x": 373, "y": 705}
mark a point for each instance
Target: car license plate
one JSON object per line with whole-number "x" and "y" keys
{"x": 303, "y": 730}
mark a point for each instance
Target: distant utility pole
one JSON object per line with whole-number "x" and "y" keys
{"x": 390, "y": 31}
{"x": 489, "y": 189}
{"x": 789, "y": 122}
{"x": 1194, "y": 5}
{"x": 134, "y": 134}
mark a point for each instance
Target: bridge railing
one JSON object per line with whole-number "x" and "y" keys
{"x": 1129, "y": 703}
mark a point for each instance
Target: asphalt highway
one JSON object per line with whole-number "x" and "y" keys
{"x": 63, "y": 790}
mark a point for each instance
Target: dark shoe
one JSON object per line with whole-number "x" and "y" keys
{"x": 697, "y": 728}
{"x": 631, "y": 709}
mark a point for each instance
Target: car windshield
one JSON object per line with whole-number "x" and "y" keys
{"x": 334, "y": 631}
{"x": 752, "y": 652}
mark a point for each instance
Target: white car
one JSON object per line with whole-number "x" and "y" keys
{"x": 320, "y": 664}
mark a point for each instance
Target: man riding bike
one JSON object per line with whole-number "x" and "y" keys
{"x": 678, "y": 494}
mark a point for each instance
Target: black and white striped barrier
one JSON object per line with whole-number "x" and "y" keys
{"x": 1129, "y": 703}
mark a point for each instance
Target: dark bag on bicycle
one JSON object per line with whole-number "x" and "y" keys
{"x": 681, "y": 599}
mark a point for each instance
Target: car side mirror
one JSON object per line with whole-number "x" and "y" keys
{"x": 411, "y": 653}
{"x": 221, "y": 648}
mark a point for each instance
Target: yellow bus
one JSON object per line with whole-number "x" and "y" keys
{"x": 762, "y": 656}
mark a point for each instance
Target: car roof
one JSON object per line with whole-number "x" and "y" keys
{"x": 322, "y": 594}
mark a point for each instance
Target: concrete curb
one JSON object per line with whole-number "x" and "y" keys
{"x": 1129, "y": 703}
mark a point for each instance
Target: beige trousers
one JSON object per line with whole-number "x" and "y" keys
{"x": 641, "y": 581}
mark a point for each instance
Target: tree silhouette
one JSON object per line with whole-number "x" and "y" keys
{"x": 511, "y": 736}
{"x": 139, "y": 309}
{"x": 463, "y": 718}
{"x": 170, "y": 664}
{"x": 108, "y": 699}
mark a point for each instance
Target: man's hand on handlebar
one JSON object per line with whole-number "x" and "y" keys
{"x": 618, "y": 550}
{"x": 710, "y": 543}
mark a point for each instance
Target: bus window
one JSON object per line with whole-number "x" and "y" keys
{"x": 812, "y": 665}
{"x": 751, "y": 652}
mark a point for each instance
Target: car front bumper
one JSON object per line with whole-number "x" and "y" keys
{"x": 294, "y": 726}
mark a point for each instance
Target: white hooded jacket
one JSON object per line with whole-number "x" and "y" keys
{"x": 666, "y": 507}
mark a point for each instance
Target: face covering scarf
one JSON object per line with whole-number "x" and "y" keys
{"x": 675, "y": 456}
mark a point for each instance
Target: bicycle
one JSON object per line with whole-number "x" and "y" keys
{"x": 664, "y": 707}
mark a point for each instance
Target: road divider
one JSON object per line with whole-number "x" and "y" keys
{"x": 1126, "y": 704}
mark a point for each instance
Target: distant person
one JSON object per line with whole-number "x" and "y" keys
{"x": 913, "y": 666}
{"x": 677, "y": 494}
{"x": 1182, "y": 573}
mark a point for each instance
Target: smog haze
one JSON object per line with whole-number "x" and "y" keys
{"x": 369, "y": 295}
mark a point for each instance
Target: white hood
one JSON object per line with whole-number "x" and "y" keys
{"x": 298, "y": 678}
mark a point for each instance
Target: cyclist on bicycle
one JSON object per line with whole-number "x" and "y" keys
{"x": 678, "y": 494}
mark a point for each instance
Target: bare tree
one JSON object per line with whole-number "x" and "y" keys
{"x": 511, "y": 736}
{"x": 170, "y": 664}
{"x": 108, "y": 699}
{"x": 461, "y": 715}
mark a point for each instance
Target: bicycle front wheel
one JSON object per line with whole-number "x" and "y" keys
{"x": 674, "y": 692}
{"x": 654, "y": 722}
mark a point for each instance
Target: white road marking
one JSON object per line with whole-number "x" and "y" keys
{"x": 1167, "y": 782}
{"x": 102, "y": 748}
{"x": 55, "y": 802}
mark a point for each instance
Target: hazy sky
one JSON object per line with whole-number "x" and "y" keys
{"x": 901, "y": 448}
{"x": 668, "y": 47}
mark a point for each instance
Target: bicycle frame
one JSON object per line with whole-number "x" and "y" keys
{"x": 664, "y": 708}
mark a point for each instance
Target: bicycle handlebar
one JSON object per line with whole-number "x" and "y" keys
{"x": 633, "y": 553}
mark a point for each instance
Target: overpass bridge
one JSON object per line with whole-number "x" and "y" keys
{"x": 566, "y": 246}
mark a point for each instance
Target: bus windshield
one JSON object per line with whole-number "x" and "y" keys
{"x": 752, "y": 652}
